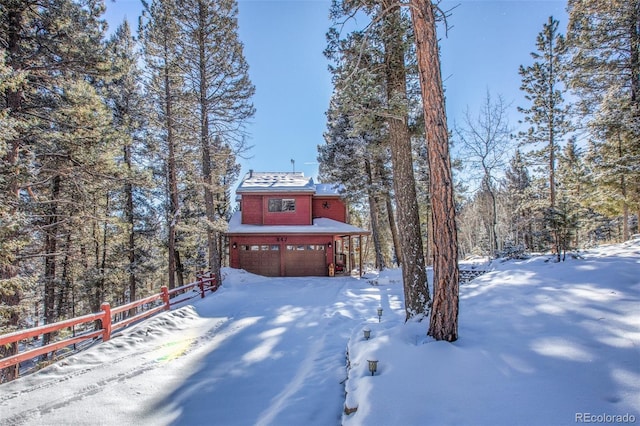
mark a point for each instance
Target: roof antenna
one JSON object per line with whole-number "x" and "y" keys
{"x": 293, "y": 165}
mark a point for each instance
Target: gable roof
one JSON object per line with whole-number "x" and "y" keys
{"x": 276, "y": 182}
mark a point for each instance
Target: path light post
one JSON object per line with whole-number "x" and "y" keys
{"x": 373, "y": 366}
{"x": 367, "y": 333}
{"x": 379, "y": 313}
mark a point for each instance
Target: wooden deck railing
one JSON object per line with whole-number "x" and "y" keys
{"x": 105, "y": 316}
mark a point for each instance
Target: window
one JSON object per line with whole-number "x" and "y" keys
{"x": 282, "y": 205}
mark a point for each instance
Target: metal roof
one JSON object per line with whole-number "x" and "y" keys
{"x": 276, "y": 182}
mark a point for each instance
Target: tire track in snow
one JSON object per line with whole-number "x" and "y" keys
{"x": 117, "y": 370}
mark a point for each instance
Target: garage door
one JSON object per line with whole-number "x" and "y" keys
{"x": 305, "y": 260}
{"x": 261, "y": 259}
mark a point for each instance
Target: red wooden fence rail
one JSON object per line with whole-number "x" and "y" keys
{"x": 105, "y": 318}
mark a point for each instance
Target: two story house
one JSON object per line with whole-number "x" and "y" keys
{"x": 289, "y": 226}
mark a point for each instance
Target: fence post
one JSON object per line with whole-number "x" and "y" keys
{"x": 165, "y": 298}
{"x": 200, "y": 276}
{"x": 106, "y": 321}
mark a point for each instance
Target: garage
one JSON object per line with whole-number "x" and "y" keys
{"x": 304, "y": 260}
{"x": 298, "y": 259}
{"x": 261, "y": 259}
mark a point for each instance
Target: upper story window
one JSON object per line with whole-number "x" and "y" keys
{"x": 282, "y": 205}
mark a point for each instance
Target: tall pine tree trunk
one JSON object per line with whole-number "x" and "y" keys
{"x": 50, "y": 257}
{"x": 63, "y": 305}
{"x": 624, "y": 196}
{"x": 179, "y": 269}
{"x": 129, "y": 217}
{"x": 391, "y": 218}
{"x": 172, "y": 178}
{"x": 444, "y": 316}
{"x": 413, "y": 268}
{"x": 205, "y": 137}
{"x": 373, "y": 214}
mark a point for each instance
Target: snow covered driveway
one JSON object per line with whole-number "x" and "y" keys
{"x": 260, "y": 351}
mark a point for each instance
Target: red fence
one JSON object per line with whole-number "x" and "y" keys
{"x": 105, "y": 317}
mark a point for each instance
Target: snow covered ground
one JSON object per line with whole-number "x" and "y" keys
{"x": 541, "y": 343}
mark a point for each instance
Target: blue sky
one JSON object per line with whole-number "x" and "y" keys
{"x": 284, "y": 41}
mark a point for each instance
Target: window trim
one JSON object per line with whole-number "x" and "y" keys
{"x": 273, "y": 203}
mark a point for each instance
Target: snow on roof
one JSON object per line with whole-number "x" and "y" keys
{"x": 280, "y": 181}
{"x": 320, "y": 226}
{"x": 286, "y": 182}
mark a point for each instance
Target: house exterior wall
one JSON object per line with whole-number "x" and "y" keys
{"x": 301, "y": 215}
{"x": 252, "y": 209}
{"x": 330, "y": 208}
{"x": 255, "y": 209}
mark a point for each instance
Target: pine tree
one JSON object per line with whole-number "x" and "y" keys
{"x": 360, "y": 89}
{"x": 602, "y": 221}
{"x": 77, "y": 167}
{"x": 165, "y": 88}
{"x": 518, "y": 191}
{"x": 412, "y": 252}
{"x": 343, "y": 158}
{"x": 573, "y": 187}
{"x": 542, "y": 83}
{"x": 378, "y": 57}
{"x": 444, "y": 316}
{"x": 60, "y": 129}
{"x": 604, "y": 44}
{"x": 218, "y": 79}
{"x": 123, "y": 94}
{"x": 11, "y": 241}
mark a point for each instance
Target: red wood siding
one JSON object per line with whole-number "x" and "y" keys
{"x": 301, "y": 216}
{"x": 252, "y": 209}
{"x": 330, "y": 207}
{"x": 255, "y": 210}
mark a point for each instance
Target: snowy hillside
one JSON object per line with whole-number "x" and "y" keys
{"x": 541, "y": 343}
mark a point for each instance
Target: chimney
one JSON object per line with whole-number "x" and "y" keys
{"x": 250, "y": 173}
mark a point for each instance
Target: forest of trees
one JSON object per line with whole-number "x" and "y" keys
{"x": 118, "y": 152}
{"x": 566, "y": 177}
